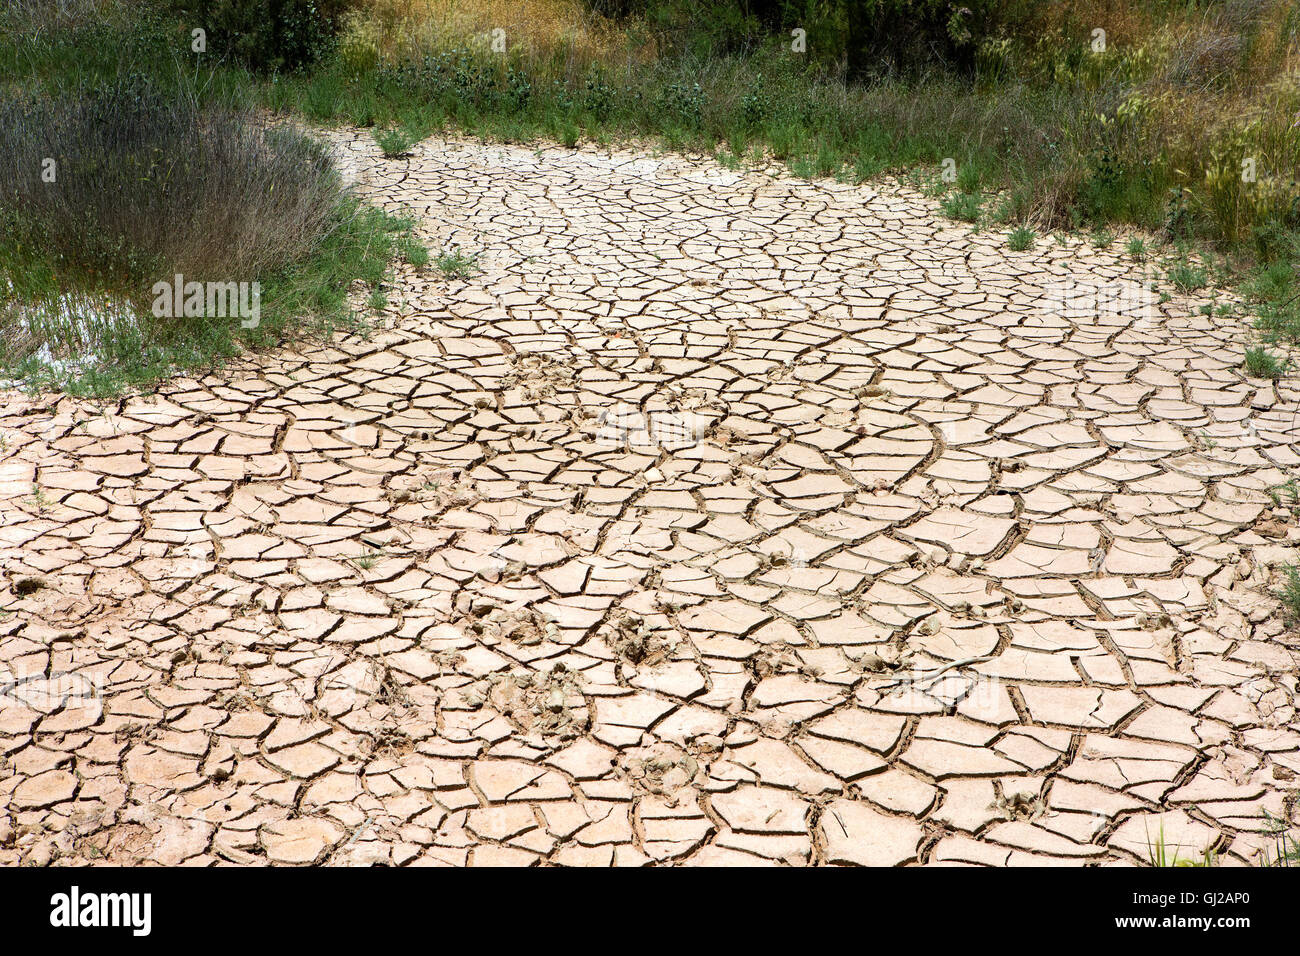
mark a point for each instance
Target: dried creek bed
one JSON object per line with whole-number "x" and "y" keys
{"x": 723, "y": 518}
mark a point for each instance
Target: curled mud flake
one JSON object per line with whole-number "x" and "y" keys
{"x": 439, "y": 489}
{"x": 779, "y": 659}
{"x": 447, "y": 661}
{"x": 874, "y": 663}
{"x": 706, "y": 744}
{"x": 726, "y": 436}
{"x": 1270, "y": 527}
{"x": 886, "y": 660}
{"x": 131, "y": 731}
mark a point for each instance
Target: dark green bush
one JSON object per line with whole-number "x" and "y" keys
{"x": 893, "y": 36}
{"x": 269, "y": 35}
{"x": 873, "y": 37}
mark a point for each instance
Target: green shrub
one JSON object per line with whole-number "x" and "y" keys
{"x": 1275, "y": 290}
{"x": 268, "y": 35}
{"x": 684, "y": 103}
{"x": 412, "y": 250}
{"x": 968, "y": 178}
{"x": 1289, "y": 595}
{"x": 756, "y": 104}
{"x": 456, "y": 264}
{"x": 394, "y": 142}
{"x": 149, "y": 184}
{"x": 148, "y": 181}
{"x": 907, "y": 35}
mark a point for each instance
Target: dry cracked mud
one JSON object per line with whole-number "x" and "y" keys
{"x": 723, "y": 518}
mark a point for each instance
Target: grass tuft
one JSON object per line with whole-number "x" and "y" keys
{"x": 1020, "y": 239}
{"x": 964, "y": 207}
{"x": 394, "y": 143}
{"x": 1289, "y": 595}
{"x": 1188, "y": 277}
{"x": 1162, "y": 854}
{"x": 1260, "y": 363}
{"x": 456, "y": 264}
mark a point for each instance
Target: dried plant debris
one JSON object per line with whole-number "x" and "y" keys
{"x": 546, "y": 704}
{"x": 635, "y": 641}
{"x": 525, "y": 626}
{"x": 1019, "y": 806}
{"x": 662, "y": 769}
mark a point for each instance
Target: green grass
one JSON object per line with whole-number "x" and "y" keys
{"x": 1020, "y": 239}
{"x": 817, "y": 127}
{"x": 457, "y": 264}
{"x": 306, "y": 298}
{"x": 1137, "y": 249}
{"x": 1289, "y": 595}
{"x": 1273, "y": 290}
{"x": 1161, "y": 854}
{"x": 1050, "y": 134}
{"x": 1260, "y": 363}
{"x": 1187, "y": 276}
{"x": 565, "y": 131}
{"x": 411, "y": 249}
{"x": 969, "y": 179}
{"x": 964, "y": 207}
{"x": 394, "y": 143}
{"x": 1286, "y": 495}
{"x": 1057, "y": 143}
{"x": 163, "y": 167}
{"x": 729, "y": 159}
{"x": 1286, "y": 844}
